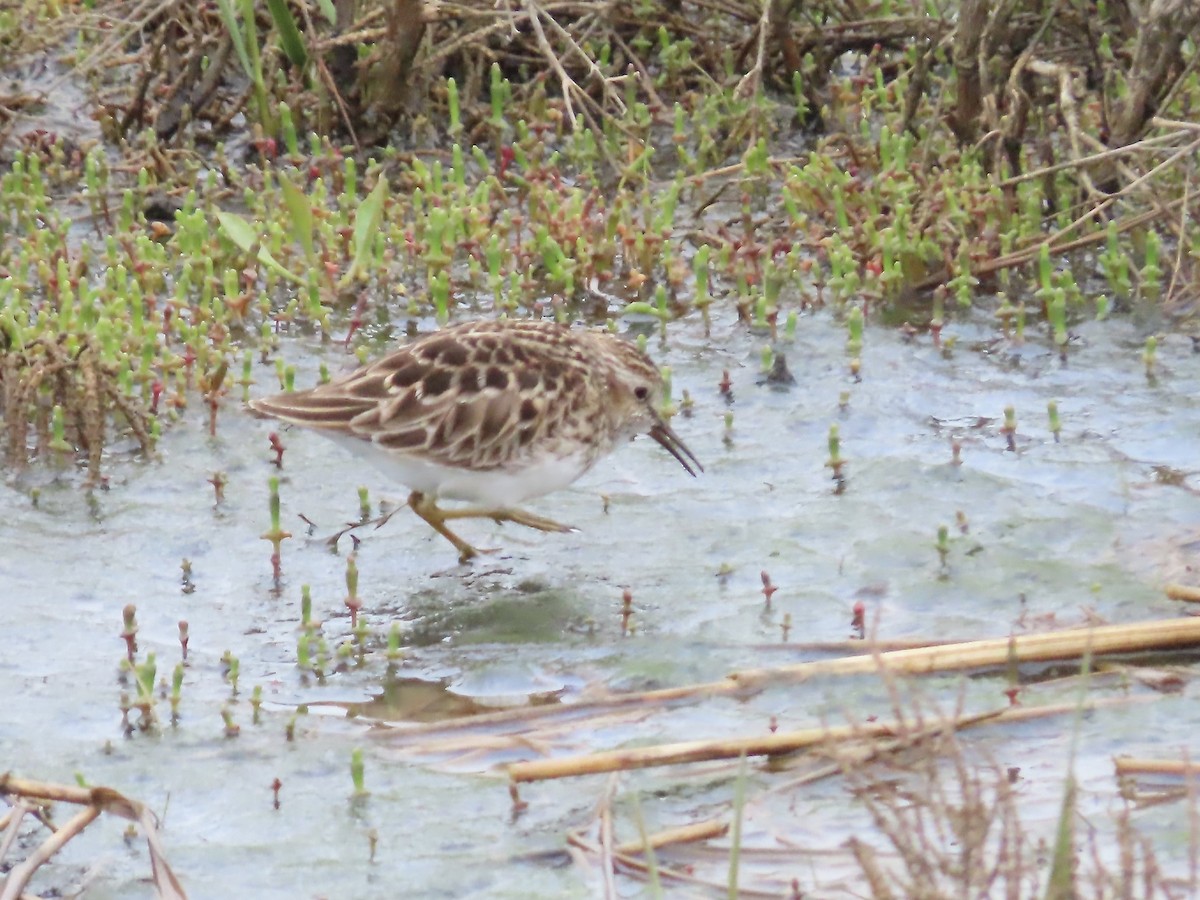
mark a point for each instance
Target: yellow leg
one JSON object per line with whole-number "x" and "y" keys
{"x": 428, "y": 510}
{"x": 516, "y": 516}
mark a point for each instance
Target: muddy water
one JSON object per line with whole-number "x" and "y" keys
{"x": 1096, "y": 522}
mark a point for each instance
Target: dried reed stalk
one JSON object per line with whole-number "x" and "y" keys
{"x": 1129, "y": 765}
{"x": 773, "y": 744}
{"x": 19, "y": 791}
{"x": 1072, "y": 643}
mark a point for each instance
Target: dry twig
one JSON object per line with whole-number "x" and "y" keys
{"x": 95, "y": 801}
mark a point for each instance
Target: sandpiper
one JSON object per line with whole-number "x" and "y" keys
{"x": 491, "y": 412}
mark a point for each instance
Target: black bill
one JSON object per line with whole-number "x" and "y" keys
{"x": 662, "y": 433}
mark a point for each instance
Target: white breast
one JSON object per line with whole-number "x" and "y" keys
{"x": 499, "y": 488}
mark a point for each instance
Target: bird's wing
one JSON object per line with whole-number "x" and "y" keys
{"x": 444, "y": 399}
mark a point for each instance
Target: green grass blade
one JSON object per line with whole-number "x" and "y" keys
{"x": 238, "y": 230}
{"x": 289, "y": 35}
{"x": 243, "y": 234}
{"x": 655, "y": 883}
{"x": 1061, "y": 884}
{"x": 735, "y": 829}
{"x": 366, "y": 224}
{"x": 300, "y": 217}
{"x": 250, "y": 27}
{"x": 236, "y": 34}
{"x": 328, "y": 10}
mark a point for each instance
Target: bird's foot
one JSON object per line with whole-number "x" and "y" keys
{"x": 466, "y": 552}
{"x": 529, "y": 520}
{"x": 436, "y": 517}
{"x": 516, "y": 516}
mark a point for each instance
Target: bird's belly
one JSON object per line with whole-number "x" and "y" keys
{"x": 499, "y": 488}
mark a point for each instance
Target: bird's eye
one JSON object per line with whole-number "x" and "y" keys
{"x": 641, "y": 392}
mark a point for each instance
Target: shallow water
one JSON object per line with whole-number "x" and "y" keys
{"x": 1089, "y": 523}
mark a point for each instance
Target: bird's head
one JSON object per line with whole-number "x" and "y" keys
{"x": 637, "y": 384}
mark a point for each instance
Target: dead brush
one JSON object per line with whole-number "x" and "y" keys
{"x": 947, "y": 827}
{"x": 949, "y": 823}
{"x": 59, "y": 387}
{"x": 29, "y": 800}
